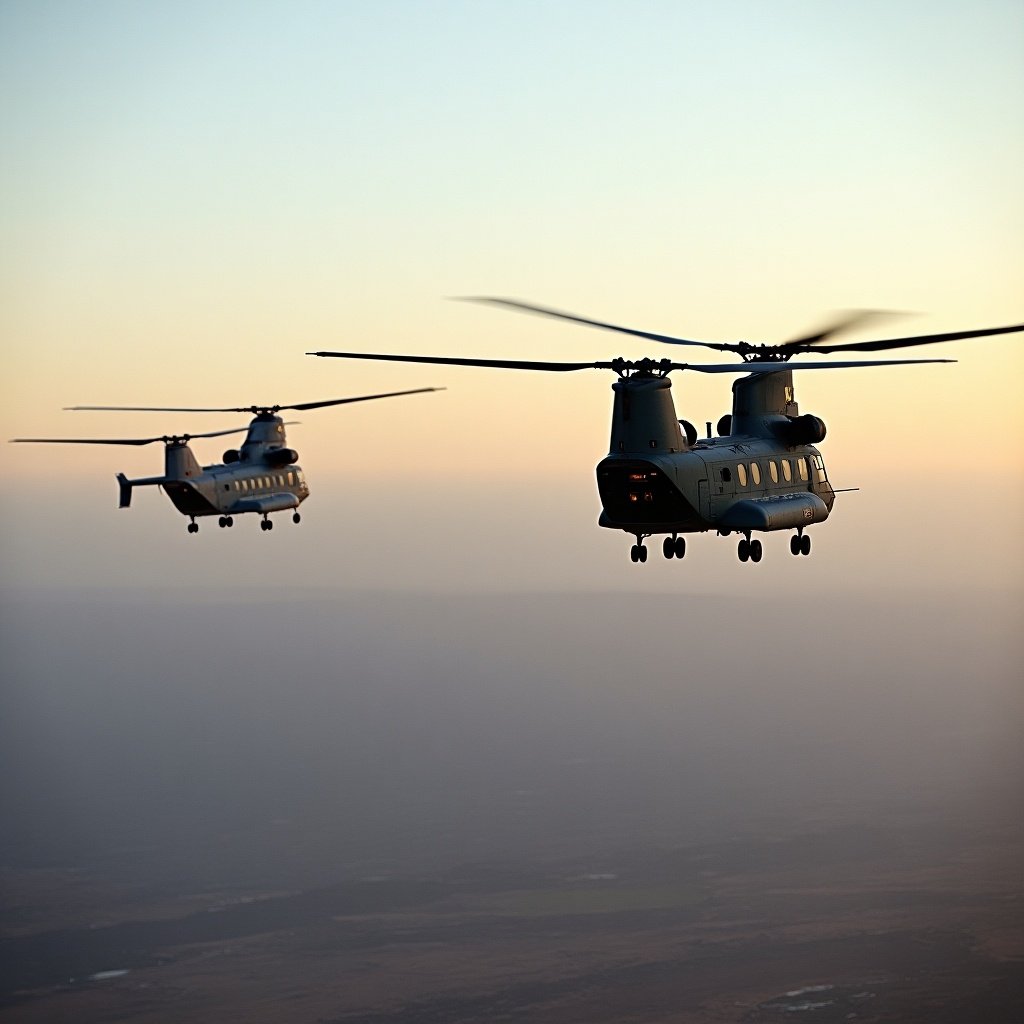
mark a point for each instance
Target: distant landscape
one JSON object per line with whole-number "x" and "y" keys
{"x": 544, "y": 822}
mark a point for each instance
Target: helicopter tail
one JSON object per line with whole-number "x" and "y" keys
{"x": 125, "y": 486}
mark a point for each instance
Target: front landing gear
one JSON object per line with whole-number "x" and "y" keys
{"x": 266, "y": 524}
{"x": 193, "y": 527}
{"x": 749, "y": 550}
{"x": 638, "y": 552}
{"x": 225, "y": 521}
{"x": 800, "y": 543}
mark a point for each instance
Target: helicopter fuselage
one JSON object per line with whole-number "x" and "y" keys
{"x": 221, "y": 490}
{"x": 727, "y": 484}
{"x": 658, "y": 477}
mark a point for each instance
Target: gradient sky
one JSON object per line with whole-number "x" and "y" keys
{"x": 196, "y": 195}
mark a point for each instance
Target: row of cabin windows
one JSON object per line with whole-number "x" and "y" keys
{"x": 264, "y": 483}
{"x": 815, "y": 461}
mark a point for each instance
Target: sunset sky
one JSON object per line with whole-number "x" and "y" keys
{"x": 194, "y": 196}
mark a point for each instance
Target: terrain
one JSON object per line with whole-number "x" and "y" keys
{"x": 910, "y": 921}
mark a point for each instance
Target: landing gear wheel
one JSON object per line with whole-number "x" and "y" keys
{"x": 669, "y": 548}
{"x": 296, "y": 518}
{"x": 229, "y": 521}
{"x": 266, "y": 525}
{"x": 794, "y": 544}
{"x": 634, "y": 553}
{"x": 679, "y": 547}
{"x": 755, "y": 551}
{"x": 744, "y": 550}
{"x": 193, "y": 527}
{"x": 641, "y": 550}
{"x": 222, "y": 522}
{"x": 805, "y": 545}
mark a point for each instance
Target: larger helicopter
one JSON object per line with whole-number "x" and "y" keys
{"x": 761, "y": 474}
{"x": 262, "y": 476}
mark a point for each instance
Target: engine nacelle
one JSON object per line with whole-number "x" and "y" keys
{"x": 801, "y": 430}
{"x": 724, "y": 427}
{"x": 231, "y": 455}
{"x": 281, "y": 456}
{"x": 690, "y": 431}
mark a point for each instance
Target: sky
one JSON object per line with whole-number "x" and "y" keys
{"x": 196, "y": 196}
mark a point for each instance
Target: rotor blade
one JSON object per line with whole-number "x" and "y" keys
{"x": 524, "y": 307}
{"x": 923, "y": 339}
{"x": 147, "y": 408}
{"x": 506, "y": 364}
{"x": 125, "y": 440}
{"x": 851, "y": 318}
{"x": 776, "y": 367}
{"x": 360, "y": 398}
{"x": 83, "y": 440}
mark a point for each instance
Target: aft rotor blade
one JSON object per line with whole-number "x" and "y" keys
{"x": 849, "y": 319}
{"x": 359, "y": 398}
{"x": 125, "y": 440}
{"x": 922, "y": 339}
{"x": 777, "y": 366}
{"x": 525, "y": 307}
{"x": 505, "y": 364}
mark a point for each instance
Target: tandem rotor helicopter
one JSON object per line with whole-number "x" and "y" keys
{"x": 761, "y": 474}
{"x": 262, "y": 476}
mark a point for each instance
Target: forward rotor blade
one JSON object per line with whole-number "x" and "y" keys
{"x": 85, "y": 440}
{"x": 147, "y": 408}
{"x": 505, "y": 364}
{"x": 359, "y": 398}
{"x": 923, "y": 339}
{"x": 524, "y": 307}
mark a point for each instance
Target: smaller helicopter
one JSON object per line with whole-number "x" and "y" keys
{"x": 262, "y": 476}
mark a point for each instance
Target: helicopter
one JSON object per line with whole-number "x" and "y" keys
{"x": 761, "y": 474}
{"x": 262, "y": 476}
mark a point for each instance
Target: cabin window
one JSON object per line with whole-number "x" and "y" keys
{"x": 291, "y": 478}
{"x": 755, "y": 474}
{"x": 726, "y": 474}
{"x": 773, "y": 471}
{"x": 741, "y": 474}
{"x": 787, "y": 471}
{"x": 819, "y": 465}
{"x": 802, "y": 466}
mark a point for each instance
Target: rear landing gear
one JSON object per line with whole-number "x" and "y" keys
{"x": 638, "y": 553}
{"x": 800, "y": 544}
{"x": 266, "y": 524}
{"x": 193, "y": 527}
{"x": 674, "y": 547}
{"x": 296, "y": 518}
{"x": 225, "y": 521}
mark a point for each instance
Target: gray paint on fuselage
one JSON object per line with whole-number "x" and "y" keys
{"x": 703, "y": 464}
{"x": 214, "y": 491}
